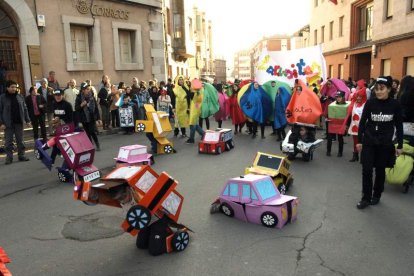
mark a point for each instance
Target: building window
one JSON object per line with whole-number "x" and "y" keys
{"x": 315, "y": 37}
{"x": 386, "y": 67}
{"x": 341, "y": 71}
{"x": 322, "y": 34}
{"x": 316, "y": 3}
{"x": 409, "y": 66}
{"x": 331, "y": 24}
{"x": 341, "y": 26}
{"x": 177, "y": 25}
{"x": 331, "y": 71}
{"x": 412, "y": 5}
{"x": 127, "y": 46}
{"x": 366, "y": 23}
{"x": 191, "y": 29}
{"x": 82, "y": 43}
{"x": 388, "y": 9}
{"x": 168, "y": 23}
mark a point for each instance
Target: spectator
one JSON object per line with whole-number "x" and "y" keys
{"x": 3, "y": 77}
{"x": 135, "y": 86}
{"x": 52, "y": 82}
{"x": 70, "y": 95}
{"x": 104, "y": 99}
{"x": 164, "y": 101}
{"x": 93, "y": 89}
{"x": 105, "y": 79}
{"x": 36, "y": 106}
{"x": 113, "y": 108}
{"x": 88, "y": 113}
{"x": 13, "y": 113}
{"x": 47, "y": 92}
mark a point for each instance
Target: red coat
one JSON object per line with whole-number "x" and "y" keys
{"x": 236, "y": 114}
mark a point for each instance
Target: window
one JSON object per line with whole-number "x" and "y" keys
{"x": 322, "y": 34}
{"x": 341, "y": 71}
{"x": 177, "y": 25}
{"x": 246, "y": 191}
{"x": 409, "y": 65}
{"x": 82, "y": 43}
{"x": 386, "y": 67}
{"x": 234, "y": 189}
{"x": 388, "y": 9}
{"x": 198, "y": 23}
{"x": 254, "y": 196}
{"x": 127, "y": 46}
{"x": 266, "y": 189}
{"x": 190, "y": 26}
{"x": 331, "y": 24}
{"x": 366, "y": 23}
{"x": 412, "y": 4}
{"x": 316, "y": 3}
{"x": 168, "y": 23}
{"x": 341, "y": 26}
{"x": 315, "y": 37}
{"x": 226, "y": 191}
{"x": 330, "y": 71}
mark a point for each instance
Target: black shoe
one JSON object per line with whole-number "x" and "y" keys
{"x": 8, "y": 161}
{"x": 23, "y": 158}
{"x": 273, "y": 134}
{"x": 355, "y": 157}
{"x": 375, "y": 201}
{"x": 254, "y": 135}
{"x": 190, "y": 141}
{"x": 98, "y": 147}
{"x": 263, "y": 137}
{"x": 339, "y": 154}
{"x": 328, "y": 154}
{"x": 363, "y": 204}
{"x": 279, "y": 139}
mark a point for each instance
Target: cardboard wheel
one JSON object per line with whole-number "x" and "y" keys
{"x": 227, "y": 210}
{"x": 282, "y": 188}
{"x": 168, "y": 149}
{"x": 232, "y": 144}
{"x": 269, "y": 219}
{"x": 37, "y": 154}
{"x": 140, "y": 127}
{"x": 138, "y": 217}
{"x": 218, "y": 150}
{"x": 180, "y": 240}
{"x": 62, "y": 177}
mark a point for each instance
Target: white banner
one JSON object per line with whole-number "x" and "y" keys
{"x": 307, "y": 64}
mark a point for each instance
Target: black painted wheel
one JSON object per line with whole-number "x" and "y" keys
{"x": 140, "y": 127}
{"x": 218, "y": 150}
{"x": 269, "y": 219}
{"x": 168, "y": 149}
{"x": 282, "y": 188}
{"x": 180, "y": 240}
{"x": 232, "y": 144}
{"x": 138, "y": 217}
{"x": 37, "y": 154}
{"x": 227, "y": 210}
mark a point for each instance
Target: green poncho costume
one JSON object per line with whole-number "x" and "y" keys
{"x": 210, "y": 103}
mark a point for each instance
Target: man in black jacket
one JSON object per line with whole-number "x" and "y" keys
{"x": 62, "y": 110}
{"x": 36, "y": 106}
{"x": 13, "y": 114}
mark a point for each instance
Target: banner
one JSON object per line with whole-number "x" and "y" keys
{"x": 126, "y": 116}
{"x": 287, "y": 66}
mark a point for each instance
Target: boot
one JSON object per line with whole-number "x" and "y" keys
{"x": 328, "y": 147}
{"x": 340, "y": 148}
{"x": 355, "y": 157}
{"x": 176, "y": 131}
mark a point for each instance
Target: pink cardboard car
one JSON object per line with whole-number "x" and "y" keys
{"x": 255, "y": 199}
{"x": 133, "y": 155}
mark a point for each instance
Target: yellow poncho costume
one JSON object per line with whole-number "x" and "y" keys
{"x": 195, "y": 106}
{"x": 181, "y": 105}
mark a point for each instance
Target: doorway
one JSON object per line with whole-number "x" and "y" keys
{"x": 362, "y": 66}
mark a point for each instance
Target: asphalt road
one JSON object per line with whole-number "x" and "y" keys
{"x": 46, "y": 232}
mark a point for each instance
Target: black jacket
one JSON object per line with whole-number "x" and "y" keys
{"x": 5, "y": 110}
{"x": 91, "y": 108}
{"x": 30, "y": 108}
{"x": 378, "y": 121}
{"x": 63, "y": 110}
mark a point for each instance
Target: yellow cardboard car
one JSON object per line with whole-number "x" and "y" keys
{"x": 275, "y": 166}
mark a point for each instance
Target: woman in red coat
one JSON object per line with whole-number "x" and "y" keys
{"x": 237, "y": 117}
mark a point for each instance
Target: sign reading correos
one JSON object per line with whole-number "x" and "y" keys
{"x": 85, "y": 7}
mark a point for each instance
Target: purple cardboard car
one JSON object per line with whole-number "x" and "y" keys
{"x": 255, "y": 199}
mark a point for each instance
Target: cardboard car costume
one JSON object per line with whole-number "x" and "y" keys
{"x": 145, "y": 195}
{"x": 255, "y": 199}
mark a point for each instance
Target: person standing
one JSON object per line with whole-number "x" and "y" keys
{"x": 113, "y": 108}
{"x": 182, "y": 104}
{"x": 381, "y": 115}
{"x": 196, "y": 98}
{"x": 164, "y": 101}
{"x": 104, "y": 103}
{"x": 237, "y": 117}
{"x": 13, "y": 114}
{"x": 52, "y": 82}
{"x": 88, "y": 113}
{"x": 47, "y": 93}
{"x": 36, "y": 107}
{"x": 70, "y": 95}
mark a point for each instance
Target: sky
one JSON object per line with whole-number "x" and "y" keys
{"x": 238, "y": 25}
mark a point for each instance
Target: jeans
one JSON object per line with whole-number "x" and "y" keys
{"x": 17, "y": 131}
{"x": 36, "y": 122}
{"x": 193, "y": 129}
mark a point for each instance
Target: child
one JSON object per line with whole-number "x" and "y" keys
{"x": 300, "y": 133}
{"x": 164, "y": 101}
{"x": 332, "y": 132}
{"x": 354, "y": 117}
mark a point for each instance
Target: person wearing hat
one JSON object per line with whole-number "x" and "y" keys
{"x": 339, "y": 100}
{"x": 88, "y": 113}
{"x": 381, "y": 115}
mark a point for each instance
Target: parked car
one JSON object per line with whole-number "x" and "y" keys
{"x": 275, "y": 166}
{"x": 216, "y": 141}
{"x": 254, "y": 198}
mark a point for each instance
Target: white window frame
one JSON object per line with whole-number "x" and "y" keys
{"x": 137, "y": 54}
{"x": 95, "y": 53}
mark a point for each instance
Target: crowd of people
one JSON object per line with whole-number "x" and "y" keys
{"x": 374, "y": 119}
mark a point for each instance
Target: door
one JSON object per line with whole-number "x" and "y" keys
{"x": 10, "y": 55}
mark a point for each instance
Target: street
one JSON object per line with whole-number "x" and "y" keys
{"x": 46, "y": 232}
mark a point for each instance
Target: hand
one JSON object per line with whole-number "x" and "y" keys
{"x": 41, "y": 106}
{"x": 398, "y": 152}
{"x": 2, "y": 127}
{"x": 99, "y": 122}
{"x": 84, "y": 103}
{"x": 359, "y": 147}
